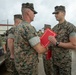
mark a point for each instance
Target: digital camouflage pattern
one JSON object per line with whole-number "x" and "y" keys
{"x": 10, "y": 65}
{"x": 61, "y": 57}
{"x": 39, "y": 33}
{"x": 2, "y": 41}
{"x": 26, "y": 58}
{"x": 47, "y": 63}
{"x": 11, "y": 32}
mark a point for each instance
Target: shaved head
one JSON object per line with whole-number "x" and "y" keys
{"x": 25, "y": 10}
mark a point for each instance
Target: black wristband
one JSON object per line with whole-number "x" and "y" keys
{"x": 57, "y": 43}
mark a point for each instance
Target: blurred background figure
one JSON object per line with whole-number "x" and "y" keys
{"x": 46, "y": 62}
{"x": 10, "y": 46}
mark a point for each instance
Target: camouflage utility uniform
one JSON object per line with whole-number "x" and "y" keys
{"x": 10, "y": 65}
{"x": 2, "y": 41}
{"x": 47, "y": 65}
{"x": 26, "y": 58}
{"x": 46, "y": 62}
{"x": 61, "y": 57}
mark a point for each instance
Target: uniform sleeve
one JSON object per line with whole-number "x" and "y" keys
{"x": 11, "y": 36}
{"x": 11, "y": 33}
{"x": 35, "y": 40}
{"x": 72, "y": 31}
{"x": 72, "y": 34}
{"x": 31, "y": 35}
{"x": 3, "y": 40}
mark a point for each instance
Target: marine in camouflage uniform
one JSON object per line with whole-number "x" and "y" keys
{"x": 26, "y": 57}
{"x": 61, "y": 50}
{"x": 10, "y": 60}
{"x": 7, "y": 54}
{"x": 47, "y": 63}
{"x": 27, "y": 43}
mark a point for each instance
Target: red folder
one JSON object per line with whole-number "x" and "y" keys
{"x": 44, "y": 38}
{"x": 48, "y": 55}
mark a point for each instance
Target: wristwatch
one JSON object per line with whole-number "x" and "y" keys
{"x": 57, "y": 43}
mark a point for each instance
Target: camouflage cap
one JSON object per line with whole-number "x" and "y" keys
{"x": 47, "y": 26}
{"x": 59, "y": 8}
{"x": 18, "y": 16}
{"x": 30, "y": 6}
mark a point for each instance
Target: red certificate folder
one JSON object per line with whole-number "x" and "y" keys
{"x": 44, "y": 38}
{"x": 48, "y": 55}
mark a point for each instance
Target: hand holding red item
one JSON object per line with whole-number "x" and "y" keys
{"x": 45, "y": 42}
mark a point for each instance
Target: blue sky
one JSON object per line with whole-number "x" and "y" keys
{"x": 44, "y": 8}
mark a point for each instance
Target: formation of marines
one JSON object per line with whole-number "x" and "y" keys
{"x": 22, "y": 44}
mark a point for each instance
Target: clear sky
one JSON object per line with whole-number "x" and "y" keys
{"x": 44, "y": 8}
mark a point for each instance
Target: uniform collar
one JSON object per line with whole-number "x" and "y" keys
{"x": 62, "y": 24}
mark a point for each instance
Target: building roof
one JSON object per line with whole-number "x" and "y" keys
{"x": 4, "y": 27}
{"x": 6, "y": 24}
